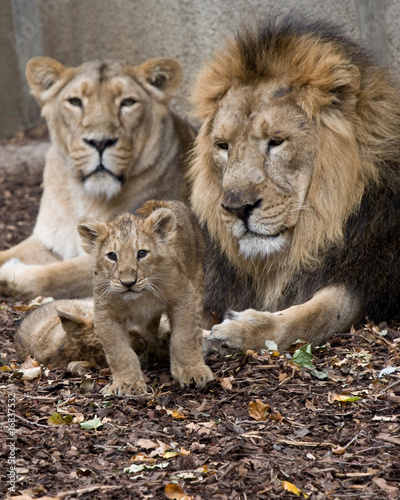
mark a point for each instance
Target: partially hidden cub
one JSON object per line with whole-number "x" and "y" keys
{"x": 61, "y": 334}
{"x": 146, "y": 264}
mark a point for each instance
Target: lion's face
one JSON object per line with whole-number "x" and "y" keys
{"x": 260, "y": 145}
{"x": 105, "y": 118}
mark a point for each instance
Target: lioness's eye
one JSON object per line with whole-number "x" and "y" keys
{"x": 275, "y": 141}
{"x": 142, "y": 254}
{"x": 129, "y": 101}
{"x": 112, "y": 256}
{"x": 75, "y": 101}
{"x": 223, "y": 145}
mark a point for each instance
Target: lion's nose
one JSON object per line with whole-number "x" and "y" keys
{"x": 101, "y": 145}
{"x": 242, "y": 211}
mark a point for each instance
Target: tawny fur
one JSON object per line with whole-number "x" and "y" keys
{"x": 296, "y": 178}
{"x": 61, "y": 334}
{"x": 146, "y": 264}
{"x": 114, "y": 144}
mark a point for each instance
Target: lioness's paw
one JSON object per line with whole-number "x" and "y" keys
{"x": 125, "y": 388}
{"x": 199, "y": 374}
{"x": 11, "y": 275}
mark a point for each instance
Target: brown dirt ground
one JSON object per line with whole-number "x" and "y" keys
{"x": 261, "y": 427}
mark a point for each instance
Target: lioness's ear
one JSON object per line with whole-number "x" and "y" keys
{"x": 162, "y": 222}
{"x": 72, "y": 320}
{"x": 42, "y": 73}
{"x": 161, "y": 76}
{"x": 90, "y": 230}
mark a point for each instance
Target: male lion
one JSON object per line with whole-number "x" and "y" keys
{"x": 296, "y": 176}
{"x": 114, "y": 144}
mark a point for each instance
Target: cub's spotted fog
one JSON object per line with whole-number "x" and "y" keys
{"x": 146, "y": 264}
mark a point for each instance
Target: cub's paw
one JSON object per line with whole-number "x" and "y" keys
{"x": 79, "y": 367}
{"x": 126, "y": 387}
{"x": 200, "y": 374}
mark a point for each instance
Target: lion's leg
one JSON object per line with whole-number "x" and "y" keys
{"x": 332, "y": 310}
{"x": 186, "y": 351}
{"x": 29, "y": 251}
{"x": 69, "y": 278}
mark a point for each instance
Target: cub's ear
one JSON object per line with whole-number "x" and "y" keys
{"x": 72, "y": 319}
{"x": 162, "y": 222}
{"x": 90, "y": 230}
{"x": 42, "y": 73}
{"x": 162, "y": 77}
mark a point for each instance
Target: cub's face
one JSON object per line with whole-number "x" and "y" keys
{"x": 260, "y": 146}
{"x": 132, "y": 254}
{"x": 105, "y": 118}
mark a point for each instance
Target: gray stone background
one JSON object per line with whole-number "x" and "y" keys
{"x": 75, "y": 31}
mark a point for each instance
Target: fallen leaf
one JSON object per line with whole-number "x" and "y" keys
{"x": 226, "y": 383}
{"x": 258, "y": 410}
{"x": 291, "y": 487}
{"x": 342, "y": 399}
{"x": 147, "y": 444}
{"x": 95, "y": 424}
{"x": 303, "y": 357}
{"x": 175, "y": 492}
{"x": 57, "y": 419}
{"x": 140, "y": 468}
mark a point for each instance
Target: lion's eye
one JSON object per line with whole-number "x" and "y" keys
{"x": 75, "y": 101}
{"x": 223, "y": 145}
{"x": 129, "y": 101}
{"x": 142, "y": 254}
{"x": 112, "y": 256}
{"x": 275, "y": 141}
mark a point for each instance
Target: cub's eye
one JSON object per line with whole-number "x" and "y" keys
{"x": 112, "y": 256}
{"x": 275, "y": 141}
{"x": 75, "y": 101}
{"x": 142, "y": 254}
{"x": 223, "y": 145}
{"x": 129, "y": 101}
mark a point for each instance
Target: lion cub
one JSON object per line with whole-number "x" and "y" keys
{"x": 53, "y": 334}
{"x": 145, "y": 264}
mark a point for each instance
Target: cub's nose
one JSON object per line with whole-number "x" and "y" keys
{"x": 128, "y": 284}
{"x": 243, "y": 212}
{"x": 101, "y": 145}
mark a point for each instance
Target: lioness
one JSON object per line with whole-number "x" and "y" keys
{"x": 296, "y": 176}
{"x": 145, "y": 264}
{"x": 114, "y": 144}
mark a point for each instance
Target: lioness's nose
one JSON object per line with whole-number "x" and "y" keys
{"x": 102, "y": 144}
{"x": 242, "y": 211}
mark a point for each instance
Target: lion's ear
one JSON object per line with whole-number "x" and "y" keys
{"x": 162, "y": 222}
{"x": 162, "y": 77}
{"x": 72, "y": 319}
{"x": 90, "y": 230}
{"x": 42, "y": 73}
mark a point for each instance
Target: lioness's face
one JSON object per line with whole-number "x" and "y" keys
{"x": 261, "y": 148}
{"x": 105, "y": 118}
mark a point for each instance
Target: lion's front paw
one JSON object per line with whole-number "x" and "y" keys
{"x": 10, "y": 276}
{"x": 200, "y": 374}
{"x": 230, "y": 333}
{"x": 246, "y": 330}
{"x": 125, "y": 387}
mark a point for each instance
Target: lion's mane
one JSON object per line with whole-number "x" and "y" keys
{"x": 349, "y": 230}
